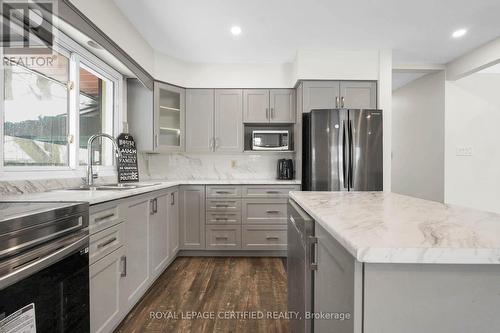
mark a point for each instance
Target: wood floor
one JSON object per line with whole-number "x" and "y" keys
{"x": 217, "y": 287}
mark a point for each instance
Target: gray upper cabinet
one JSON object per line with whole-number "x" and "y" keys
{"x": 156, "y": 117}
{"x": 256, "y": 105}
{"x": 282, "y": 106}
{"x": 268, "y": 106}
{"x": 358, "y": 94}
{"x": 339, "y": 94}
{"x": 200, "y": 120}
{"x": 320, "y": 95}
{"x": 228, "y": 120}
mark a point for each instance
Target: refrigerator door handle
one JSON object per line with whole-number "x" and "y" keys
{"x": 351, "y": 156}
{"x": 344, "y": 157}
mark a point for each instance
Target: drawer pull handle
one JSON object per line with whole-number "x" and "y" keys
{"x": 221, "y": 206}
{"x": 273, "y": 211}
{"x": 105, "y": 217}
{"x": 222, "y": 192}
{"x": 221, "y": 218}
{"x": 273, "y": 192}
{"x": 272, "y": 238}
{"x": 106, "y": 243}
{"x": 221, "y": 237}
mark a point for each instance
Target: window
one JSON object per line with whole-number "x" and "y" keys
{"x": 50, "y": 111}
{"x": 36, "y": 114}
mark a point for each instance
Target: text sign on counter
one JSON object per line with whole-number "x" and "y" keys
{"x": 127, "y": 163}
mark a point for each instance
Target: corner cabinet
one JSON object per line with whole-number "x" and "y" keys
{"x": 269, "y": 106}
{"x": 156, "y": 118}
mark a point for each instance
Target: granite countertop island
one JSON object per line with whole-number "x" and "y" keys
{"x": 380, "y": 227}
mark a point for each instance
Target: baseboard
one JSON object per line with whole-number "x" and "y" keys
{"x": 231, "y": 253}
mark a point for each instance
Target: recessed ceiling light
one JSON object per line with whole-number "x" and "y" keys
{"x": 235, "y": 30}
{"x": 459, "y": 33}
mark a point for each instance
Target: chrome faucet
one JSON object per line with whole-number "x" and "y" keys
{"x": 90, "y": 159}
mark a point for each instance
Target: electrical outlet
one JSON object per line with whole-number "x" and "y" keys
{"x": 233, "y": 163}
{"x": 464, "y": 151}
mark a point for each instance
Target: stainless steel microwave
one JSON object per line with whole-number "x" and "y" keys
{"x": 270, "y": 140}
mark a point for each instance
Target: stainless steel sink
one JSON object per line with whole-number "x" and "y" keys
{"x": 110, "y": 187}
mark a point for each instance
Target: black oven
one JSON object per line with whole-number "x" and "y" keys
{"x": 44, "y": 272}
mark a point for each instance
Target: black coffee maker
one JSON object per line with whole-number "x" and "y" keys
{"x": 285, "y": 169}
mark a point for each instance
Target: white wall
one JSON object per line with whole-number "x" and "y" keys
{"x": 472, "y": 120}
{"x": 109, "y": 18}
{"x": 418, "y": 110}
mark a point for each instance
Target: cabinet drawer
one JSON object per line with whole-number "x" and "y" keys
{"x": 223, "y": 218}
{"x": 223, "y": 191}
{"x": 268, "y": 191}
{"x": 105, "y": 242}
{"x": 264, "y": 237}
{"x": 223, "y": 237}
{"x": 224, "y": 205}
{"x": 264, "y": 211}
{"x": 104, "y": 216}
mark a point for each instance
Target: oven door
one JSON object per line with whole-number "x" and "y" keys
{"x": 270, "y": 140}
{"x": 47, "y": 288}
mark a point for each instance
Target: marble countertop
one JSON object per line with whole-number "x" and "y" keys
{"x": 380, "y": 227}
{"x": 96, "y": 197}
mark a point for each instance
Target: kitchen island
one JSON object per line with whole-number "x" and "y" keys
{"x": 401, "y": 264}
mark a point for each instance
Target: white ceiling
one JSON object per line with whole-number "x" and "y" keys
{"x": 273, "y": 30}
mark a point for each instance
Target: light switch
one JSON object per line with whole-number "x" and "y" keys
{"x": 464, "y": 151}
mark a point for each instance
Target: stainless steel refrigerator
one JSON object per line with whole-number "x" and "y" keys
{"x": 342, "y": 150}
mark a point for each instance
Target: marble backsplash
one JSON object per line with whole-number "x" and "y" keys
{"x": 175, "y": 166}
{"x": 210, "y": 166}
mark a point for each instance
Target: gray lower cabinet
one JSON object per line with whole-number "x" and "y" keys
{"x": 105, "y": 292}
{"x": 264, "y": 237}
{"x": 137, "y": 252}
{"x": 173, "y": 223}
{"x": 264, "y": 211}
{"x": 158, "y": 234}
{"x": 223, "y": 237}
{"x": 338, "y": 286}
{"x": 192, "y": 216}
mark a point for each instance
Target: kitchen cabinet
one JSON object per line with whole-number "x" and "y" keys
{"x": 137, "y": 252}
{"x": 228, "y": 120}
{"x": 214, "y": 120}
{"x": 338, "y": 94}
{"x": 173, "y": 223}
{"x": 156, "y": 117}
{"x": 158, "y": 233}
{"x": 338, "y": 285}
{"x": 192, "y": 217}
{"x": 105, "y": 292}
{"x": 200, "y": 120}
{"x": 358, "y": 94}
{"x": 268, "y": 106}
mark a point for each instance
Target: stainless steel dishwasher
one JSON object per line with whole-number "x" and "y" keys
{"x": 300, "y": 266}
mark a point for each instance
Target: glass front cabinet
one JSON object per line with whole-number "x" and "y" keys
{"x": 156, "y": 118}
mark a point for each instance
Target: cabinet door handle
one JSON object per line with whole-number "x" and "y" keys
{"x": 157, "y": 140}
{"x": 106, "y": 243}
{"x": 217, "y": 143}
{"x": 314, "y": 253}
{"x": 267, "y": 113}
{"x": 101, "y": 218}
{"x": 156, "y": 205}
{"x": 273, "y": 211}
{"x": 337, "y": 102}
{"x": 342, "y": 102}
{"x": 272, "y": 113}
{"x": 172, "y": 199}
{"x": 272, "y": 238}
{"x": 124, "y": 269}
{"x": 151, "y": 207}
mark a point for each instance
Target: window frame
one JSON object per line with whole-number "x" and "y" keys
{"x": 76, "y": 54}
